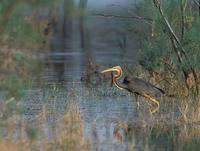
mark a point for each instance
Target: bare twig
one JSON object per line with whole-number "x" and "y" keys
{"x": 183, "y": 5}
{"x": 123, "y": 17}
{"x": 196, "y": 2}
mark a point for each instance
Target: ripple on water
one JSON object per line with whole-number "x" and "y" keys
{"x": 109, "y": 109}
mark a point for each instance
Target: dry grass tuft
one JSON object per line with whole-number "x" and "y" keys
{"x": 71, "y": 126}
{"x": 68, "y": 130}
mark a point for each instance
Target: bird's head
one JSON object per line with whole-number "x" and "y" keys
{"x": 116, "y": 76}
{"x": 117, "y": 69}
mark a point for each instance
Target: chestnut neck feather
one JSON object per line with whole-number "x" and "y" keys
{"x": 117, "y": 77}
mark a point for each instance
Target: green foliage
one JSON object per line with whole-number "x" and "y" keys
{"x": 153, "y": 51}
{"x": 158, "y": 45}
{"x": 32, "y": 133}
{"x": 146, "y": 8}
{"x": 17, "y": 29}
{"x": 192, "y": 43}
{"x": 21, "y": 74}
{"x": 14, "y": 85}
{"x": 29, "y": 64}
{"x": 15, "y": 25}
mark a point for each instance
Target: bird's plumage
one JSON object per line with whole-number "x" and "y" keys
{"x": 139, "y": 86}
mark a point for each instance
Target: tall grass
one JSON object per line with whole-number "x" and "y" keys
{"x": 68, "y": 133}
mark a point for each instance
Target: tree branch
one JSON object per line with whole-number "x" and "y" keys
{"x": 196, "y": 2}
{"x": 123, "y": 17}
{"x": 183, "y": 5}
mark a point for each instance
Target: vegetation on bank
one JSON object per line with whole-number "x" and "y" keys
{"x": 69, "y": 134}
{"x": 171, "y": 44}
{"x": 24, "y": 32}
{"x": 21, "y": 39}
{"x": 17, "y": 26}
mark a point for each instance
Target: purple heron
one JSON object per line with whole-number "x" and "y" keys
{"x": 136, "y": 86}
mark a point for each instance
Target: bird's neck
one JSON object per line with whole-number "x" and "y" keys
{"x": 119, "y": 86}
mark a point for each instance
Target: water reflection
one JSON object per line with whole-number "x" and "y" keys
{"x": 76, "y": 39}
{"x": 102, "y": 117}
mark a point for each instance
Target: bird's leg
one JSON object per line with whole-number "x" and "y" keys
{"x": 153, "y": 100}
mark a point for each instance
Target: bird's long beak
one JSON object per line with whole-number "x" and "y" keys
{"x": 108, "y": 70}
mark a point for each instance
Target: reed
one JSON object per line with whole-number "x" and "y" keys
{"x": 67, "y": 132}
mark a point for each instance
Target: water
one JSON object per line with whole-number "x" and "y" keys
{"x": 77, "y": 40}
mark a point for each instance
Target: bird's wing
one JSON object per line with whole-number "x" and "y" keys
{"x": 138, "y": 85}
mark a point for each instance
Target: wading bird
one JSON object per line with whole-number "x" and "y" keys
{"x": 136, "y": 86}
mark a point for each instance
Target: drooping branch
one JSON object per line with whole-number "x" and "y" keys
{"x": 198, "y": 4}
{"x": 183, "y": 4}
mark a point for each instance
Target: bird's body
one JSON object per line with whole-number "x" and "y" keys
{"x": 139, "y": 86}
{"x": 136, "y": 86}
